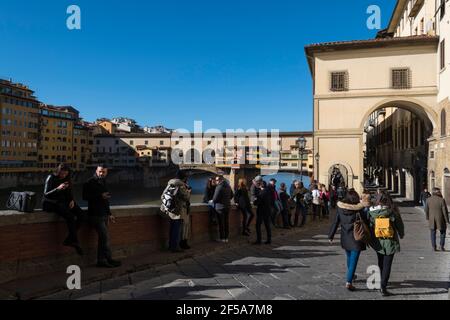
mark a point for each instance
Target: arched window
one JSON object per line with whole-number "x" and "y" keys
{"x": 443, "y": 122}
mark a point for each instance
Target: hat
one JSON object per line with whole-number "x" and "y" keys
{"x": 258, "y": 179}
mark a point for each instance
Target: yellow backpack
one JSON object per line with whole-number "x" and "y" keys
{"x": 384, "y": 228}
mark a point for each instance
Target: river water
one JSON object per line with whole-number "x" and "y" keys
{"x": 136, "y": 195}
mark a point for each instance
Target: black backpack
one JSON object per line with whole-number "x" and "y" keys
{"x": 22, "y": 201}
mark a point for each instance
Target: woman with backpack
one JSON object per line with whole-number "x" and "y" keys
{"x": 386, "y": 227}
{"x": 175, "y": 204}
{"x": 348, "y": 212}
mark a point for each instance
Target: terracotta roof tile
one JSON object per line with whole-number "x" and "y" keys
{"x": 374, "y": 41}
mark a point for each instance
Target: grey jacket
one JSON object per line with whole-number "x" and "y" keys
{"x": 222, "y": 196}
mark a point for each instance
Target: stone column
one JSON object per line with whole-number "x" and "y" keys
{"x": 409, "y": 181}
{"x": 402, "y": 183}
{"x": 395, "y": 181}
{"x": 390, "y": 180}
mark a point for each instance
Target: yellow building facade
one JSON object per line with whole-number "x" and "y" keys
{"x": 19, "y": 117}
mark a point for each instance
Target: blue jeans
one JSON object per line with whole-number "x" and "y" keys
{"x": 433, "y": 238}
{"x": 175, "y": 232}
{"x": 352, "y": 263}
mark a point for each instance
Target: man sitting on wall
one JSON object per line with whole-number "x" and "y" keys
{"x": 58, "y": 198}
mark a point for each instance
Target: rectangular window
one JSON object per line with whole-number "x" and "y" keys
{"x": 442, "y": 54}
{"x": 401, "y": 78}
{"x": 339, "y": 81}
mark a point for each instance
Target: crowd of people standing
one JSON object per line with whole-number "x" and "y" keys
{"x": 364, "y": 221}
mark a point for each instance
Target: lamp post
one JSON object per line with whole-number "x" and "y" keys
{"x": 317, "y": 157}
{"x": 301, "y": 143}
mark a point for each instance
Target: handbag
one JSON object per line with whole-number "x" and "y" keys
{"x": 22, "y": 201}
{"x": 361, "y": 231}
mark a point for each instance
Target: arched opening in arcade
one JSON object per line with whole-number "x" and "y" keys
{"x": 446, "y": 184}
{"x": 396, "y": 149}
{"x": 338, "y": 175}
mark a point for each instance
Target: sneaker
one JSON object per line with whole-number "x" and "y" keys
{"x": 443, "y": 249}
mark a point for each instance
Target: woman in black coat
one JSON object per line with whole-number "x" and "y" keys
{"x": 346, "y": 215}
{"x": 242, "y": 199}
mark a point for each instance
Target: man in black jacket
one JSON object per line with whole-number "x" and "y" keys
{"x": 96, "y": 194}
{"x": 58, "y": 198}
{"x": 262, "y": 198}
{"x": 222, "y": 203}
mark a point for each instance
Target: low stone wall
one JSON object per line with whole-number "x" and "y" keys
{"x": 31, "y": 244}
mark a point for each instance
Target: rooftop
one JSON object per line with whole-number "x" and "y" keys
{"x": 371, "y": 43}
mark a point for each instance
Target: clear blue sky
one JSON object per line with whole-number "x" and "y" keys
{"x": 229, "y": 63}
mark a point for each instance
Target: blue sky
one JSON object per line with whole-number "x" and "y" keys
{"x": 229, "y": 63}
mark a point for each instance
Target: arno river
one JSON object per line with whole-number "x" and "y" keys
{"x": 135, "y": 195}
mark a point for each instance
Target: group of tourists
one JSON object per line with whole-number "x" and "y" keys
{"x": 366, "y": 221}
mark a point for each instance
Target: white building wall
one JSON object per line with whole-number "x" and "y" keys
{"x": 444, "y": 75}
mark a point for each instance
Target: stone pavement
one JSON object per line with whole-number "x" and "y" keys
{"x": 300, "y": 265}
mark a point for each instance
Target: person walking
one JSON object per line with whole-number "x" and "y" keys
{"x": 300, "y": 204}
{"x": 262, "y": 198}
{"x": 242, "y": 199}
{"x": 222, "y": 203}
{"x": 207, "y": 197}
{"x": 424, "y": 195}
{"x": 387, "y": 229}
{"x": 96, "y": 193}
{"x": 437, "y": 215}
{"x": 285, "y": 208}
{"x": 58, "y": 198}
{"x": 348, "y": 211}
